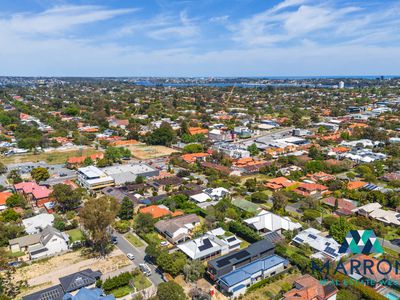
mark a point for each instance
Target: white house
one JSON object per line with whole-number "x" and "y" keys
{"x": 178, "y": 229}
{"x": 375, "y": 211}
{"x": 210, "y": 194}
{"x": 323, "y": 246}
{"x": 48, "y": 242}
{"x": 210, "y": 245}
{"x": 37, "y": 223}
{"x": 267, "y": 221}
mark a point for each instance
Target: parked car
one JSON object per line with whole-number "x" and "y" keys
{"x": 114, "y": 240}
{"x": 164, "y": 243}
{"x": 130, "y": 256}
{"x": 145, "y": 269}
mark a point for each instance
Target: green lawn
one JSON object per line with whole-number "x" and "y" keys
{"x": 140, "y": 282}
{"x": 121, "y": 291}
{"x": 15, "y": 254}
{"x": 75, "y": 235}
{"x": 246, "y": 205}
{"x": 134, "y": 240}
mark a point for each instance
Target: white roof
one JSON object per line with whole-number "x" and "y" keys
{"x": 322, "y": 244}
{"x": 368, "y": 207}
{"x": 37, "y": 223}
{"x": 92, "y": 172}
{"x": 202, "y": 197}
{"x": 272, "y": 222}
{"x": 201, "y": 247}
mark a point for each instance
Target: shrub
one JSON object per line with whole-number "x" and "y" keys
{"x": 117, "y": 281}
{"x": 244, "y": 232}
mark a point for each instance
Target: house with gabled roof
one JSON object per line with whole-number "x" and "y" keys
{"x": 308, "y": 288}
{"x": 47, "y": 243}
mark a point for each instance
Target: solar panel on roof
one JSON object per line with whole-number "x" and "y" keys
{"x": 231, "y": 239}
{"x": 312, "y": 236}
{"x": 236, "y": 256}
{"x": 206, "y": 245}
{"x": 299, "y": 239}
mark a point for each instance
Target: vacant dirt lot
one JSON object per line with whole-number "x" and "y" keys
{"x": 51, "y": 157}
{"x": 142, "y": 151}
{"x": 46, "y": 273}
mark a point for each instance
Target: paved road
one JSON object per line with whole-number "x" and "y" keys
{"x": 277, "y": 131}
{"x": 389, "y": 245}
{"x": 139, "y": 254}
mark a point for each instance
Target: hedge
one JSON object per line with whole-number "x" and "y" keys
{"x": 244, "y": 232}
{"x": 117, "y": 281}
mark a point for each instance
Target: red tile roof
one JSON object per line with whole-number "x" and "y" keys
{"x": 3, "y": 197}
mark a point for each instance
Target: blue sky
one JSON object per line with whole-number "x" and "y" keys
{"x": 199, "y": 37}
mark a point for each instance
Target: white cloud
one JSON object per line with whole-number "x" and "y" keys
{"x": 322, "y": 21}
{"x": 59, "y": 19}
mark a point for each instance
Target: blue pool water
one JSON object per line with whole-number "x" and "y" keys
{"x": 391, "y": 296}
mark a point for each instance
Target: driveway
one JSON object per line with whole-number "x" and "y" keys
{"x": 389, "y": 245}
{"x": 139, "y": 254}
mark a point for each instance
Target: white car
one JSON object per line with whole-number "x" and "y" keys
{"x": 164, "y": 243}
{"x": 130, "y": 256}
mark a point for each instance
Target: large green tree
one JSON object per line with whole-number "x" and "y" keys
{"x": 164, "y": 135}
{"x": 339, "y": 229}
{"x": 170, "y": 291}
{"x": 66, "y": 198}
{"x": 126, "y": 210}
{"x": 97, "y": 215}
{"x": 40, "y": 174}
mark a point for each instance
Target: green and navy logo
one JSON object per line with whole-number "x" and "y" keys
{"x": 361, "y": 241}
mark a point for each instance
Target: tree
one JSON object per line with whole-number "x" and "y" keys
{"x": 9, "y": 215}
{"x": 193, "y": 270}
{"x": 115, "y": 154}
{"x": 14, "y": 177}
{"x": 16, "y": 200}
{"x": 164, "y": 135}
{"x": 253, "y": 149}
{"x": 66, "y": 198}
{"x": 3, "y": 168}
{"x": 144, "y": 223}
{"x": 172, "y": 263}
{"x": 122, "y": 226}
{"x": 97, "y": 215}
{"x": 279, "y": 201}
{"x": 339, "y": 229}
{"x": 170, "y": 291}
{"x": 126, "y": 210}
{"x": 193, "y": 148}
{"x": 139, "y": 179}
{"x": 40, "y": 174}
{"x": 88, "y": 162}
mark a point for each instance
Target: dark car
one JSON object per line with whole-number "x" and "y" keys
{"x": 114, "y": 240}
{"x": 396, "y": 242}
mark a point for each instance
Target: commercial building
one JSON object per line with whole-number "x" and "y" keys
{"x": 92, "y": 178}
{"x": 129, "y": 172}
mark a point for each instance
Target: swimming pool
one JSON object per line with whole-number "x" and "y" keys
{"x": 391, "y": 296}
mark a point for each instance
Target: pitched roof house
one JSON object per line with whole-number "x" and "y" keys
{"x": 309, "y": 288}
{"x": 267, "y": 221}
{"x": 178, "y": 229}
{"x": 48, "y": 242}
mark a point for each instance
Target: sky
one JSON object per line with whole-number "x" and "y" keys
{"x": 199, "y": 37}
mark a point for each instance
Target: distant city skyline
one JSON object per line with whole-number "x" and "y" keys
{"x": 187, "y": 38}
